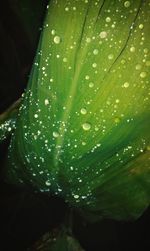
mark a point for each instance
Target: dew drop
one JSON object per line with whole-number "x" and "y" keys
{"x": 87, "y": 77}
{"x": 108, "y": 19}
{"x": 64, "y": 60}
{"x": 36, "y": 116}
{"x": 95, "y": 51}
{"x": 132, "y": 49}
{"x": 47, "y": 183}
{"x": 141, "y": 26}
{"x": 138, "y": 67}
{"x": 96, "y": 128}
{"x": 146, "y": 50}
{"x": 76, "y": 196}
{"x": 86, "y": 126}
{"x": 126, "y": 85}
{"x": 55, "y": 134}
{"x": 83, "y": 111}
{"x": 110, "y": 56}
{"x": 117, "y": 101}
{"x": 66, "y": 9}
{"x": 91, "y": 84}
{"x": 143, "y": 74}
{"x": 94, "y": 65}
{"x": 53, "y": 32}
{"x": 46, "y": 102}
{"x": 127, "y": 4}
{"x": 88, "y": 40}
{"x": 103, "y": 34}
{"x": 57, "y": 40}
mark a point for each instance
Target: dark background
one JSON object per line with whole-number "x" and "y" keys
{"x": 24, "y": 215}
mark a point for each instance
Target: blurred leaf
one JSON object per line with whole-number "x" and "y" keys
{"x": 56, "y": 241}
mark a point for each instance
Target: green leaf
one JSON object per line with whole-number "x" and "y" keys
{"x": 83, "y": 129}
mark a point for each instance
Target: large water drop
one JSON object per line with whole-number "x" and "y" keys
{"x": 86, "y": 126}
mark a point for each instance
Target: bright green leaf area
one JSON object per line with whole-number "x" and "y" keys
{"x": 83, "y": 129}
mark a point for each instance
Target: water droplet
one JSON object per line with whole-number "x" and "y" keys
{"x": 57, "y": 40}
{"x": 87, "y": 77}
{"x": 46, "y": 102}
{"x": 47, "y": 183}
{"x": 36, "y": 116}
{"x": 83, "y": 143}
{"x": 110, "y": 56}
{"x": 86, "y": 126}
{"x": 76, "y": 196}
{"x": 83, "y": 111}
{"x": 132, "y": 49}
{"x": 123, "y": 61}
{"x": 138, "y": 67}
{"x": 88, "y": 39}
{"x": 66, "y": 9}
{"x": 117, "y": 101}
{"x": 126, "y": 85}
{"x": 141, "y": 26}
{"x": 143, "y": 74}
{"x": 127, "y": 4}
{"x": 53, "y": 32}
{"x": 94, "y": 65}
{"x": 96, "y": 128}
{"x": 91, "y": 84}
{"x": 146, "y": 50}
{"x": 95, "y": 51}
{"x": 108, "y": 19}
{"x": 103, "y": 34}
{"x": 64, "y": 60}
{"x": 55, "y": 134}
{"x": 9, "y": 129}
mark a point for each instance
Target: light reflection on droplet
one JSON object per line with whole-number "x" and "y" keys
{"x": 127, "y": 4}
{"x": 83, "y": 111}
{"x": 103, "y": 34}
{"x": 86, "y": 126}
{"x": 91, "y": 84}
{"x": 57, "y": 40}
{"x": 126, "y": 85}
{"x": 143, "y": 74}
{"x": 55, "y": 134}
{"x": 95, "y": 51}
{"x": 108, "y": 19}
{"x": 138, "y": 67}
